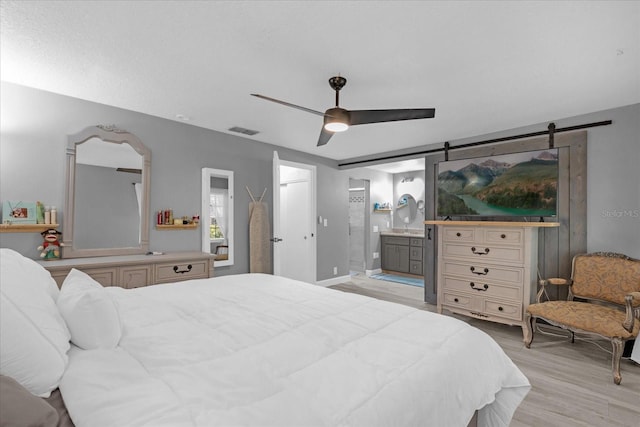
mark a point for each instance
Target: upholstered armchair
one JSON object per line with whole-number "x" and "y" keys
{"x": 603, "y": 301}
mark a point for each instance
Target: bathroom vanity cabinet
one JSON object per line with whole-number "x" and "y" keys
{"x": 402, "y": 254}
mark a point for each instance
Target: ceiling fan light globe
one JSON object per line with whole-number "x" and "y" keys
{"x": 336, "y": 126}
{"x": 336, "y": 120}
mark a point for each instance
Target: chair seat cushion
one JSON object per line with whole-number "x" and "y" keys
{"x": 602, "y": 320}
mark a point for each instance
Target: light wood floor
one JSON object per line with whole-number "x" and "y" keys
{"x": 571, "y": 384}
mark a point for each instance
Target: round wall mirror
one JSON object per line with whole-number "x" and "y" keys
{"x": 407, "y": 208}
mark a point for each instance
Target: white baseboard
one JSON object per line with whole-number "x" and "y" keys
{"x": 333, "y": 281}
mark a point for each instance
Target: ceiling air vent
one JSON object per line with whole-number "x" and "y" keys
{"x": 243, "y": 130}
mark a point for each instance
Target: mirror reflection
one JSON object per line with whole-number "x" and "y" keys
{"x": 407, "y": 208}
{"x": 108, "y": 195}
{"x": 217, "y": 215}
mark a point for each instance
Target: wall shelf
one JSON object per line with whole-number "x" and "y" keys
{"x": 26, "y": 228}
{"x": 176, "y": 227}
{"x": 382, "y": 210}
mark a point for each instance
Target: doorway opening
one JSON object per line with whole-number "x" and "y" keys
{"x": 395, "y": 258}
{"x": 358, "y": 202}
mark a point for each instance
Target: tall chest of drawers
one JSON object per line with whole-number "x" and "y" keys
{"x": 487, "y": 270}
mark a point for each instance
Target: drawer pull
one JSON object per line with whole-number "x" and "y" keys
{"x": 473, "y": 249}
{"x": 483, "y": 288}
{"x": 483, "y": 273}
{"x": 456, "y": 300}
{"x": 500, "y": 308}
{"x": 458, "y": 234}
{"x": 176, "y": 269}
{"x": 503, "y": 236}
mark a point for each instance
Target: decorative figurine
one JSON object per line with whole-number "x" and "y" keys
{"x": 51, "y": 246}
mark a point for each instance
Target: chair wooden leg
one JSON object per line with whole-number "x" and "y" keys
{"x": 527, "y": 330}
{"x": 618, "y": 346}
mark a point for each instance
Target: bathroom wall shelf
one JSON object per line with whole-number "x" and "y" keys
{"x": 382, "y": 210}
{"x": 26, "y": 228}
{"x": 176, "y": 227}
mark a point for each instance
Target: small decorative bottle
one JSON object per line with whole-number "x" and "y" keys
{"x": 54, "y": 215}
{"x": 47, "y": 215}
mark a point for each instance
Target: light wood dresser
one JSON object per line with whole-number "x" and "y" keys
{"x": 132, "y": 271}
{"x": 487, "y": 270}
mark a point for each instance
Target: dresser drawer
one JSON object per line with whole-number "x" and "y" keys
{"x": 414, "y": 241}
{"x": 415, "y": 267}
{"x": 174, "y": 272}
{"x": 484, "y": 288}
{"x": 415, "y": 254}
{"x": 485, "y": 252}
{"x": 502, "y": 309}
{"x": 390, "y": 240}
{"x": 456, "y": 300}
{"x": 459, "y": 234}
{"x": 134, "y": 276}
{"x": 504, "y": 236}
{"x": 104, "y": 276}
{"x": 481, "y": 271}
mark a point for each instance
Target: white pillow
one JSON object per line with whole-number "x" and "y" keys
{"x": 34, "y": 338}
{"x": 90, "y": 313}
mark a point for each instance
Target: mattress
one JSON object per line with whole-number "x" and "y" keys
{"x": 261, "y": 350}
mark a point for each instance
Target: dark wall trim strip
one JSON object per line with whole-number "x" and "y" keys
{"x": 488, "y": 141}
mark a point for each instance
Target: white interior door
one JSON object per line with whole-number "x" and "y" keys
{"x": 296, "y": 234}
{"x": 276, "y": 239}
{"x": 294, "y": 220}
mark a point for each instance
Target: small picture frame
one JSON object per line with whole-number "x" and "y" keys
{"x": 19, "y": 212}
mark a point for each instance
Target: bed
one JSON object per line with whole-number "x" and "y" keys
{"x": 247, "y": 349}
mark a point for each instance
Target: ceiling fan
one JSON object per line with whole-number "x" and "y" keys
{"x": 338, "y": 119}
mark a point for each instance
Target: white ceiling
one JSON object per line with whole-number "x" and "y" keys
{"x": 484, "y": 66}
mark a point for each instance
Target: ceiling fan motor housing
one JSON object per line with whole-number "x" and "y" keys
{"x": 337, "y": 114}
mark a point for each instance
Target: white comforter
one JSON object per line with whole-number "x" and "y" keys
{"x": 258, "y": 350}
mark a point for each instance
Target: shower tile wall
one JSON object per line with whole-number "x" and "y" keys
{"x": 356, "y": 230}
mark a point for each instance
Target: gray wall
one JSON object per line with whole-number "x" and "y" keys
{"x": 613, "y": 175}
{"x": 34, "y": 126}
{"x": 33, "y": 136}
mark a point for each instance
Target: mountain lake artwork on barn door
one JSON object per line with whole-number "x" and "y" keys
{"x": 518, "y": 184}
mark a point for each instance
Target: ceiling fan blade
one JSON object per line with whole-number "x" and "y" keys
{"x": 325, "y": 136}
{"x": 360, "y": 117}
{"x": 287, "y": 104}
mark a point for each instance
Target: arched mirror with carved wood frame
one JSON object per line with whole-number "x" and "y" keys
{"x": 107, "y": 194}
